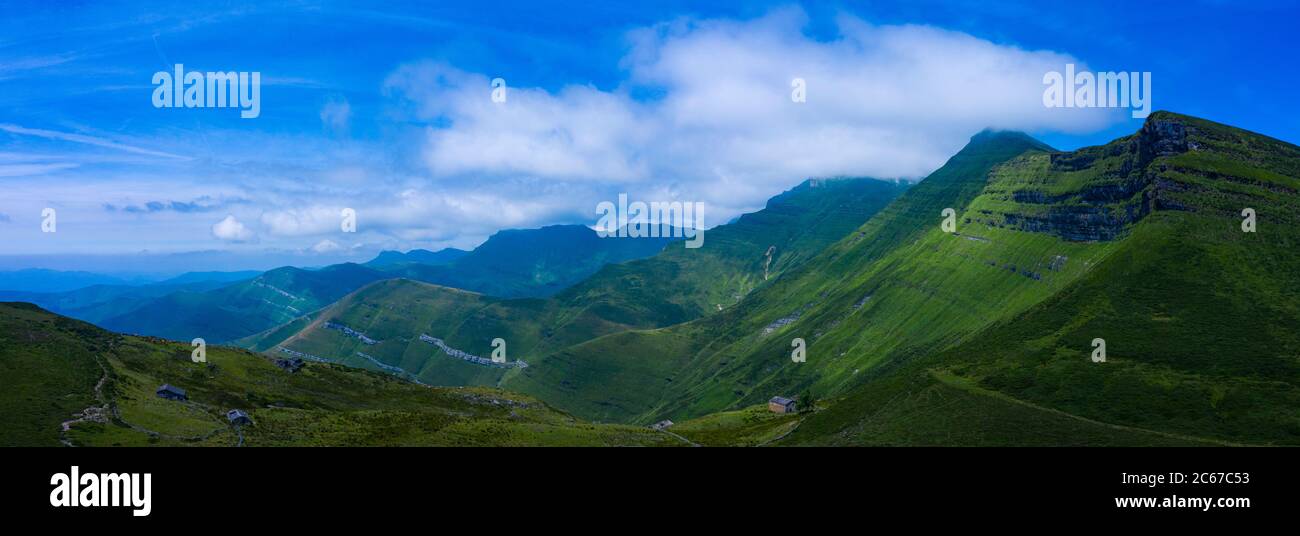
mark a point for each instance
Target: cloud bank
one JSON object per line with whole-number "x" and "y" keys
{"x": 719, "y": 124}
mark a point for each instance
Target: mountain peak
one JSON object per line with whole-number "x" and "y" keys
{"x": 991, "y": 136}
{"x": 419, "y": 256}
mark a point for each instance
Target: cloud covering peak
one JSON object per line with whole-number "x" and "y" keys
{"x": 706, "y": 110}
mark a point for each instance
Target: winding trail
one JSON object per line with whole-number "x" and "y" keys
{"x": 783, "y": 435}
{"x": 92, "y": 413}
{"x": 957, "y": 383}
{"x": 101, "y": 414}
{"x": 683, "y": 439}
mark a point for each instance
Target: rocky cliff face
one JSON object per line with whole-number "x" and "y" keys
{"x": 1121, "y": 186}
{"x": 1163, "y": 137}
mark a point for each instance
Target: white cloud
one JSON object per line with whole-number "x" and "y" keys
{"x": 231, "y": 230}
{"x": 306, "y": 221}
{"x": 326, "y": 246}
{"x": 883, "y": 101}
{"x": 580, "y": 133}
{"x": 336, "y": 116}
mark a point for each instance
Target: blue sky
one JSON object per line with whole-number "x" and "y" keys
{"x": 385, "y": 108}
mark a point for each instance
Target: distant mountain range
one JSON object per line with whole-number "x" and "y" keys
{"x": 518, "y": 263}
{"x": 224, "y": 307}
{"x": 387, "y": 259}
{"x": 97, "y": 303}
{"x": 42, "y": 281}
{"x": 674, "y": 286}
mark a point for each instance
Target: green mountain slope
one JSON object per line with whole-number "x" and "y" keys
{"x": 238, "y": 310}
{"x": 67, "y": 382}
{"x": 387, "y": 259}
{"x": 1199, "y": 318}
{"x": 898, "y": 282}
{"x": 510, "y": 263}
{"x": 523, "y": 263}
{"x": 1138, "y": 242}
{"x": 794, "y": 226}
{"x": 674, "y": 286}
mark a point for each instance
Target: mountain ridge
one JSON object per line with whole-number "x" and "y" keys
{"x": 672, "y": 287}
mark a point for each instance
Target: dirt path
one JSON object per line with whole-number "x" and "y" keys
{"x": 92, "y": 413}
{"x": 683, "y": 439}
{"x": 782, "y": 436}
{"x": 105, "y": 412}
{"x": 964, "y": 386}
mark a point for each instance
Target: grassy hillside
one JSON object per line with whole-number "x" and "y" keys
{"x": 794, "y": 226}
{"x": 917, "y": 407}
{"x": 983, "y": 336}
{"x": 1201, "y": 320}
{"x": 749, "y": 427}
{"x": 245, "y": 308}
{"x": 677, "y": 285}
{"x": 523, "y": 263}
{"x": 49, "y": 366}
{"x": 511, "y": 263}
{"x": 896, "y": 283}
{"x": 57, "y": 370}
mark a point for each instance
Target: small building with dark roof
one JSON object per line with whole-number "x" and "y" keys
{"x": 238, "y": 416}
{"x": 780, "y": 404}
{"x": 661, "y": 425}
{"x": 171, "y": 392}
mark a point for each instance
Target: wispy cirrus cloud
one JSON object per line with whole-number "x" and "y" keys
{"x": 30, "y": 170}
{"x": 84, "y": 139}
{"x": 13, "y": 67}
